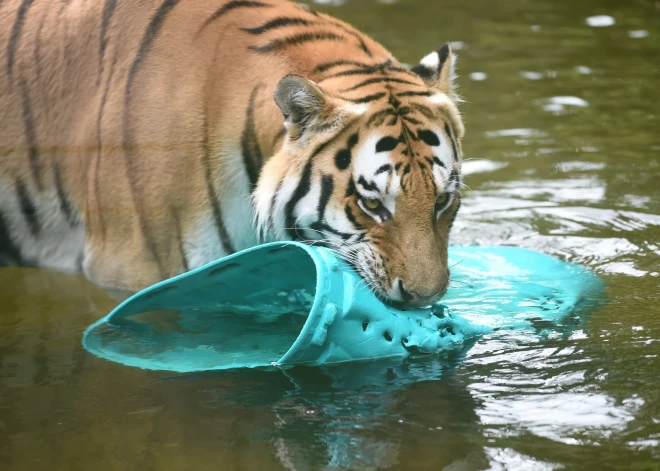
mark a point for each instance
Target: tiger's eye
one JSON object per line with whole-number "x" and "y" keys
{"x": 371, "y": 203}
{"x": 442, "y": 199}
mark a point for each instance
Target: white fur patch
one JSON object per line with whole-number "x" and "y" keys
{"x": 278, "y": 229}
{"x": 431, "y": 61}
{"x": 59, "y": 244}
{"x": 440, "y": 99}
{"x": 367, "y": 162}
{"x": 236, "y": 204}
{"x": 357, "y": 109}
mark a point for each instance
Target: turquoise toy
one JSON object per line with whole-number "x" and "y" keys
{"x": 288, "y": 303}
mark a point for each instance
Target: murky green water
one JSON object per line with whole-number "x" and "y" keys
{"x": 563, "y": 128}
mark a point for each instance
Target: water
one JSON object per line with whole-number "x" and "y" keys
{"x": 562, "y": 126}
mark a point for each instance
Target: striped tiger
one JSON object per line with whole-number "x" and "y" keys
{"x": 142, "y": 139}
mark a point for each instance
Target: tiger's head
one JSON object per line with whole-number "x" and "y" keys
{"x": 371, "y": 168}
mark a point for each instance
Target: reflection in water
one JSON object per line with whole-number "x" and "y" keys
{"x": 562, "y": 151}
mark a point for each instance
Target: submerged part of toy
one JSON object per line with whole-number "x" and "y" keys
{"x": 288, "y": 303}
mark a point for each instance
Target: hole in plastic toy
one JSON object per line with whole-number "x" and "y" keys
{"x": 365, "y": 324}
{"x": 387, "y": 336}
{"x": 222, "y": 269}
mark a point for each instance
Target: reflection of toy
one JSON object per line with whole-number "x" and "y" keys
{"x": 288, "y": 303}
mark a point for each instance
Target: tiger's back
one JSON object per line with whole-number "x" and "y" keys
{"x": 132, "y": 134}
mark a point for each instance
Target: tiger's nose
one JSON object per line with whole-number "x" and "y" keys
{"x": 419, "y": 298}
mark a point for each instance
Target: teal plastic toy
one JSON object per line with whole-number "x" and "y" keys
{"x": 288, "y": 303}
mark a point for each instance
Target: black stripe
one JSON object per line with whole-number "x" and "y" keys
{"x": 364, "y": 70}
{"x": 453, "y": 217}
{"x": 383, "y": 169}
{"x": 273, "y": 202}
{"x": 280, "y": 22}
{"x": 378, "y": 80}
{"x": 28, "y": 208}
{"x": 351, "y": 72}
{"x": 350, "y": 189}
{"x": 351, "y": 217}
{"x": 413, "y": 93}
{"x": 179, "y": 238}
{"x": 322, "y": 227}
{"x": 232, "y": 6}
{"x": 301, "y": 190}
{"x": 10, "y": 253}
{"x": 252, "y": 156}
{"x": 369, "y": 186}
{"x": 380, "y": 114}
{"x": 223, "y": 235}
{"x": 327, "y": 185}
{"x": 16, "y": 34}
{"x": 453, "y": 143}
{"x": 331, "y": 65}
{"x": 367, "y": 99}
{"x": 425, "y": 110}
{"x": 454, "y": 177}
{"x": 30, "y": 136}
{"x": 65, "y": 206}
{"x": 343, "y": 159}
{"x": 149, "y": 36}
{"x": 99, "y": 145}
{"x": 357, "y": 35}
{"x": 411, "y": 120}
{"x": 296, "y": 40}
{"x": 387, "y": 144}
{"x": 108, "y": 10}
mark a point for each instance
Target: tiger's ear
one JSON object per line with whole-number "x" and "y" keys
{"x": 438, "y": 70}
{"x": 303, "y": 104}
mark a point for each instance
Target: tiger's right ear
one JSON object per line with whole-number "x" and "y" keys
{"x": 303, "y": 104}
{"x": 438, "y": 70}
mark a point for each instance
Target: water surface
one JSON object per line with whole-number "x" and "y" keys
{"x": 563, "y": 156}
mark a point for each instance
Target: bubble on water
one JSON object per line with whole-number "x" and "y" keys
{"x": 535, "y": 28}
{"x": 638, "y": 33}
{"x": 470, "y": 167}
{"x": 531, "y": 75}
{"x": 622, "y": 268}
{"x": 517, "y": 132}
{"x": 563, "y": 104}
{"x": 600, "y": 21}
{"x": 578, "y": 166}
{"x": 584, "y": 69}
{"x": 507, "y": 458}
{"x": 478, "y": 76}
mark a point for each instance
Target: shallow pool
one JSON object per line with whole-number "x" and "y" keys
{"x": 563, "y": 156}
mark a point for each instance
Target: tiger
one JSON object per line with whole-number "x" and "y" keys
{"x": 142, "y": 140}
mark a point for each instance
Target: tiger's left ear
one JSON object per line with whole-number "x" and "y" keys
{"x": 438, "y": 70}
{"x": 303, "y": 104}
